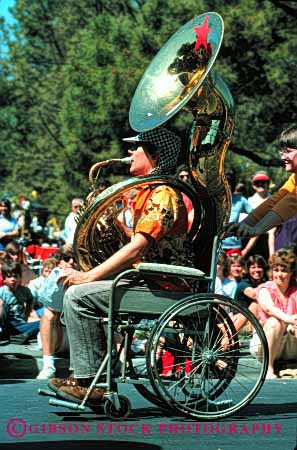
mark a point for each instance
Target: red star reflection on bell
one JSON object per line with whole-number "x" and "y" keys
{"x": 202, "y": 33}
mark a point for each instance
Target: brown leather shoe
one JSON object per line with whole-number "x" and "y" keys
{"x": 74, "y": 393}
{"x": 56, "y": 383}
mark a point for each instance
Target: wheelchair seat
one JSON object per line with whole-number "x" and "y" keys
{"x": 144, "y": 300}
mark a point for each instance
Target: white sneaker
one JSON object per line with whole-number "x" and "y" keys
{"x": 46, "y": 373}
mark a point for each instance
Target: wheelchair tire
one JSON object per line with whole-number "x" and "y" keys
{"x": 117, "y": 414}
{"x": 214, "y": 374}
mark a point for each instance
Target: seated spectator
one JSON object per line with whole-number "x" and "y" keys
{"x": 246, "y": 295}
{"x": 19, "y": 317}
{"x": 3, "y": 330}
{"x": 2, "y": 260}
{"x": 9, "y": 228}
{"x": 53, "y": 335}
{"x": 36, "y": 285}
{"x": 70, "y": 223}
{"x": 232, "y": 272}
{"x": 125, "y": 218}
{"x": 14, "y": 252}
{"x": 219, "y": 275}
{"x": 256, "y": 268}
{"x": 278, "y": 309}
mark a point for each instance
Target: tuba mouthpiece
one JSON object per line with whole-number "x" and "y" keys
{"x": 126, "y": 160}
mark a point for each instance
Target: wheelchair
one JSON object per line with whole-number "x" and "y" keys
{"x": 195, "y": 363}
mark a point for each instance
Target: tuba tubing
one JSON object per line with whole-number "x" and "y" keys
{"x": 97, "y": 166}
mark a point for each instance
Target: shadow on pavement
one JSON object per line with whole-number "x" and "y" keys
{"x": 266, "y": 409}
{"x": 135, "y": 415}
{"x": 78, "y": 445}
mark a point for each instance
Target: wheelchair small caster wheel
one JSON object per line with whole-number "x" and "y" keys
{"x": 112, "y": 413}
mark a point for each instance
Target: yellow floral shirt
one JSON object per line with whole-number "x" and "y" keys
{"x": 160, "y": 213}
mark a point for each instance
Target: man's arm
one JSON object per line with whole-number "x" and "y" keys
{"x": 118, "y": 262}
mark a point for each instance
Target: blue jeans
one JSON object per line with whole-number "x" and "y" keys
{"x": 29, "y": 328}
{"x": 84, "y": 305}
{"x": 82, "y": 312}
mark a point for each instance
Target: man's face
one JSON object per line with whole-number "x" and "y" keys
{"x": 141, "y": 162}
{"x": 289, "y": 158}
{"x": 12, "y": 281}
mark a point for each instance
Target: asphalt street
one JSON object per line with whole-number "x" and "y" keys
{"x": 27, "y": 421}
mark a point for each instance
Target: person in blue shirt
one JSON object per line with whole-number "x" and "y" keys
{"x": 18, "y": 315}
{"x": 232, "y": 245}
{"x": 9, "y": 228}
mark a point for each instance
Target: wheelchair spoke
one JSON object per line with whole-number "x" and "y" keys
{"x": 210, "y": 373}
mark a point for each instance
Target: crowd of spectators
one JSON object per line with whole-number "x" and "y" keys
{"x": 258, "y": 272}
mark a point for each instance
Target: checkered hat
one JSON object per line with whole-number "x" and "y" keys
{"x": 167, "y": 144}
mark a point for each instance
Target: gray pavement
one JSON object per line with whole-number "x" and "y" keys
{"x": 27, "y": 421}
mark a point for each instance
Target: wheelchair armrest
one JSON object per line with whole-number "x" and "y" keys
{"x": 169, "y": 270}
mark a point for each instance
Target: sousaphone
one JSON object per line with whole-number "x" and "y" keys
{"x": 179, "y": 77}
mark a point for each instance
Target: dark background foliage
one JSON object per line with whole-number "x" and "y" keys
{"x": 72, "y": 67}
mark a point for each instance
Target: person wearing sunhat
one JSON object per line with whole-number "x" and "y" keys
{"x": 265, "y": 244}
{"x": 160, "y": 235}
{"x": 282, "y": 205}
{"x": 260, "y": 184}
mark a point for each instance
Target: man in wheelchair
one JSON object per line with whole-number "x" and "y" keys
{"x": 160, "y": 235}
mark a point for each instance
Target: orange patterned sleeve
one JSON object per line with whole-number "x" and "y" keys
{"x": 158, "y": 215}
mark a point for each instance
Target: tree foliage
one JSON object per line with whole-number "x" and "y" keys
{"x": 72, "y": 67}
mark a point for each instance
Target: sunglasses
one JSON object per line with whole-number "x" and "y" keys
{"x": 287, "y": 150}
{"x": 67, "y": 258}
{"x": 260, "y": 183}
{"x": 184, "y": 176}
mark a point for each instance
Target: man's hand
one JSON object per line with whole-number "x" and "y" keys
{"x": 71, "y": 276}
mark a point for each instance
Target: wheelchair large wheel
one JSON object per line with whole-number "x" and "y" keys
{"x": 214, "y": 371}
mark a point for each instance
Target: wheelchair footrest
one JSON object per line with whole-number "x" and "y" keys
{"x": 47, "y": 393}
{"x": 70, "y": 405}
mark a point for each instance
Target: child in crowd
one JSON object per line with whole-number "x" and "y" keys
{"x": 232, "y": 272}
{"x": 36, "y": 285}
{"x": 2, "y": 260}
{"x": 14, "y": 252}
{"x": 18, "y": 315}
